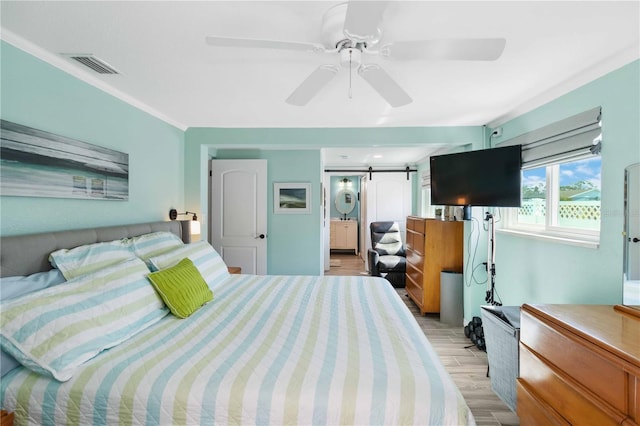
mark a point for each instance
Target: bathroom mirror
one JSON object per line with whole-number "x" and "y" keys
{"x": 345, "y": 201}
{"x": 631, "y": 236}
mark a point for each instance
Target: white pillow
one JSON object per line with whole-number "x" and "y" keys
{"x": 154, "y": 244}
{"x": 204, "y": 257}
{"x": 53, "y": 331}
{"x": 91, "y": 257}
{"x": 12, "y": 287}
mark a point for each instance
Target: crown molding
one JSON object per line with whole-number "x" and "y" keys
{"x": 72, "y": 69}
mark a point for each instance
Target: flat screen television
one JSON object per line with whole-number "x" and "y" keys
{"x": 487, "y": 177}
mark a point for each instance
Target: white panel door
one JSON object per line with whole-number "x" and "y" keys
{"x": 388, "y": 199}
{"x": 238, "y": 213}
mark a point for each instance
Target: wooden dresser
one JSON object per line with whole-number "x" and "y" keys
{"x": 433, "y": 246}
{"x": 579, "y": 364}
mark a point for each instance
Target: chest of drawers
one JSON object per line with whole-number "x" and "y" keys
{"x": 579, "y": 364}
{"x": 433, "y": 246}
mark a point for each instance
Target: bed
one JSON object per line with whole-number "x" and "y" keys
{"x": 265, "y": 350}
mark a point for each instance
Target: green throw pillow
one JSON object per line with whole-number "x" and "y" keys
{"x": 182, "y": 288}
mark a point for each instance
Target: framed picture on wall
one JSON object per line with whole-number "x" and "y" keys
{"x": 291, "y": 198}
{"x": 36, "y": 163}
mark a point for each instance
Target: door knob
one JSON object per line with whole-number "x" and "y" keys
{"x": 635, "y": 239}
{"x": 261, "y": 236}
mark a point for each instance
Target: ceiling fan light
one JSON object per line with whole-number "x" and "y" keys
{"x": 351, "y": 57}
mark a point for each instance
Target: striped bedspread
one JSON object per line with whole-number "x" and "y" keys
{"x": 267, "y": 350}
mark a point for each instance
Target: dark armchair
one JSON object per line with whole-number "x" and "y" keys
{"x": 387, "y": 256}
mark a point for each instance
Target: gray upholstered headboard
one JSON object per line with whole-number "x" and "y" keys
{"x": 28, "y": 254}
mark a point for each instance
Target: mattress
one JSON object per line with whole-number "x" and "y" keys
{"x": 266, "y": 350}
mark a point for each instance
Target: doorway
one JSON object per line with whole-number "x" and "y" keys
{"x": 384, "y": 196}
{"x": 343, "y": 216}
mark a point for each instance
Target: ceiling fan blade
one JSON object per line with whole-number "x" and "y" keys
{"x": 481, "y": 49}
{"x": 384, "y": 85}
{"x": 364, "y": 20}
{"x": 312, "y": 84}
{"x": 264, "y": 44}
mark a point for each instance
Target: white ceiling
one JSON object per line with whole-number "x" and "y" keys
{"x": 168, "y": 70}
{"x": 380, "y": 157}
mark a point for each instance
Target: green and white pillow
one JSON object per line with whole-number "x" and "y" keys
{"x": 204, "y": 257}
{"x": 85, "y": 259}
{"x": 154, "y": 244}
{"x": 182, "y": 288}
{"x": 55, "y": 330}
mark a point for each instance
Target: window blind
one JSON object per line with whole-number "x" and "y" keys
{"x": 425, "y": 179}
{"x": 561, "y": 141}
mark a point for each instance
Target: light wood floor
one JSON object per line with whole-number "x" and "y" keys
{"x": 466, "y": 365}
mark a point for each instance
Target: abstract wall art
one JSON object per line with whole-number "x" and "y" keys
{"x": 35, "y": 163}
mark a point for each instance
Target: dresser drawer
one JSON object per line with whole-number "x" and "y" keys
{"x": 409, "y": 239}
{"x": 414, "y": 291}
{"x": 411, "y": 223}
{"x": 415, "y": 259}
{"x": 577, "y": 406}
{"x": 418, "y": 243}
{"x": 416, "y": 224}
{"x": 534, "y": 412}
{"x": 415, "y": 275}
{"x": 582, "y": 363}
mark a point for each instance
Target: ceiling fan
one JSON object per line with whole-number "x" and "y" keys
{"x": 353, "y": 30}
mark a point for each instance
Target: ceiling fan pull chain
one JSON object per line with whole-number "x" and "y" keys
{"x": 350, "y": 72}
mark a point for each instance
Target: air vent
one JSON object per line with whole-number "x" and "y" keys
{"x": 92, "y": 62}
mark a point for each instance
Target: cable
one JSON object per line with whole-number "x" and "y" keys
{"x": 471, "y": 257}
{"x": 497, "y": 211}
{"x": 499, "y": 303}
{"x": 485, "y": 225}
{"x": 490, "y": 297}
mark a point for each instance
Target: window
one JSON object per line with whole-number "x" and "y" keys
{"x": 561, "y": 199}
{"x": 560, "y": 181}
{"x": 426, "y": 209}
{"x": 425, "y": 198}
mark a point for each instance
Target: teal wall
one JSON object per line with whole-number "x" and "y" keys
{"x": 291, "y": 248}
{"x": 202, "y": 143}
{"x": 168, "y": 168}
{"x": 294, "y": 245}
{"x": 475, "y": 237}
{"x": 39, "y": 95}
{"x": 294, "y": 236}
{"x": 534, "y": 271}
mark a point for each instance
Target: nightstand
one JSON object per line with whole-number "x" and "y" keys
{"x": 6, "y": 418}
{"x": 234, "y": 270}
